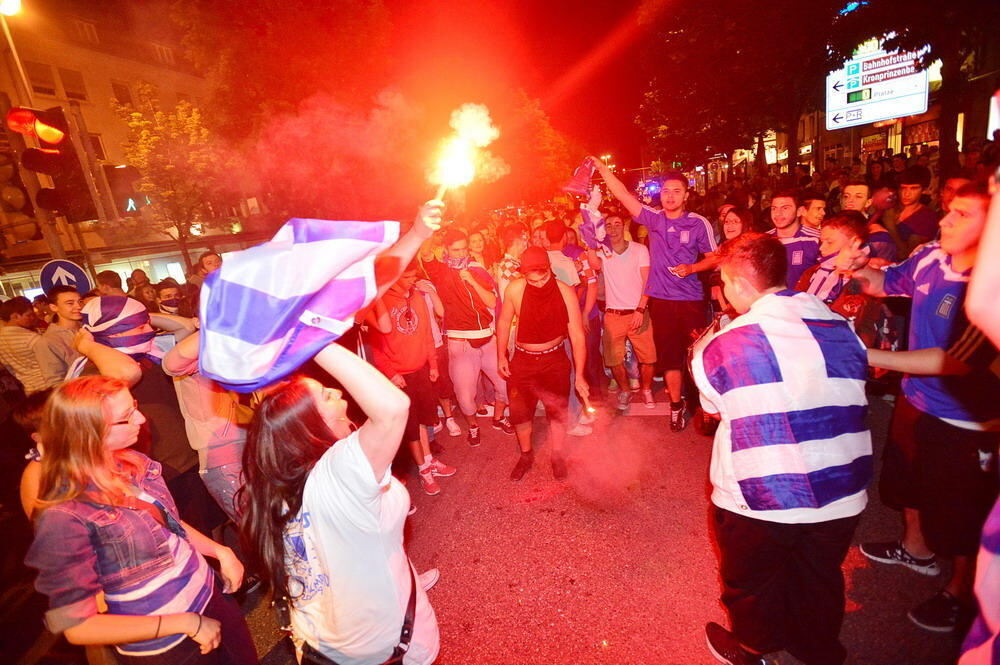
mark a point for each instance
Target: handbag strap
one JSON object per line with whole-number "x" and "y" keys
{"x": 406, "y": 633}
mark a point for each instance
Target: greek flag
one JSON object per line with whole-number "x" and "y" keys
{"x": 272, "y": 307}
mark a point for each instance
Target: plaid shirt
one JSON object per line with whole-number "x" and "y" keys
{"x": 788, "y": 379}
{"x": 508, "y": 269}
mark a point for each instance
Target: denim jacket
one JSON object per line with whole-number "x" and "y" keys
{"x": 82, "y": 548}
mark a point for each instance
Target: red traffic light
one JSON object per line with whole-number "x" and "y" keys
{"x": 47, "y": 126}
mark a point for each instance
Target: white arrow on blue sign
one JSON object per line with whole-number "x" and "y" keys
{"x": 59, "y": 272}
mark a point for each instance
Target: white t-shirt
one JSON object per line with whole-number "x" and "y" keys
{"x": 623, "y": 277}
{"x": 563, "y": 268}
{"x": 347, "y": 568}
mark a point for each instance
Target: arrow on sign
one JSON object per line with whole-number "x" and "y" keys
{"x": 838, "y": 85}
{"x": 837, "y": 118}
{"x": 61, "y": 276}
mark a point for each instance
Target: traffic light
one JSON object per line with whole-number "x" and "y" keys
{"x": 121, "y": 179}
{"x": 56, "y": 158}
{"x": 14, "y": 200}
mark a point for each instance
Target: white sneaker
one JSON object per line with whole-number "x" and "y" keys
{"x": 580, "y": 430}
{"x": 647, "y": 397}
{"x": 428, "y": 578}
{"x": 588, "y": 418}
{"x": 437, "y": 428}
{"x": 453, "y": 428}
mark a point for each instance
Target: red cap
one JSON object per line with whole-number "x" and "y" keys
{"x": 534, "y": 258}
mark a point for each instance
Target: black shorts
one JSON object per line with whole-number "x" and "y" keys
{"x": 544, "y": 377}
{"x": 674, "y": 322}
{"x": 443, "y": 387}
{"x": 942, "y": 471}
{"x": 423, "y": 402}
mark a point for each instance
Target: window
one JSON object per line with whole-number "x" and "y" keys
{"x": 42, "y": 80}
{"x": 73, "y": 85}
{"x": 98, "y": 146}
{"x": 86, "y": 31}
{"x": 164, "y": 54}
{"x": 122, "y": 92}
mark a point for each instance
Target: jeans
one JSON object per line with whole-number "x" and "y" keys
{"x": 222, "y": 483}
{"x": 465, "y": 363}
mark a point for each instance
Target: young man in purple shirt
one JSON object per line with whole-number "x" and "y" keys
{"x": 677, "y": 304}
{"x": 940, "y": 460}
{"x": 801, "y": 242}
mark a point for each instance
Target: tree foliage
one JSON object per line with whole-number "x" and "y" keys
{"x": 723, "y": 74}
{"x": 264, "y": 57}
{"x": 179, "y": 165}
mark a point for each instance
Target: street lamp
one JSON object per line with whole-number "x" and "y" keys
{"x": 10, "y": 7}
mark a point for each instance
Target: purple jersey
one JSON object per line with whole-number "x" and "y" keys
{"x": 802, "y": 250}
{"x": 671, "y": 243}
{"x": 938, "y": 293}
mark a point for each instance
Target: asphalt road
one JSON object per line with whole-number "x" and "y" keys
{"x": 615, "y": 565}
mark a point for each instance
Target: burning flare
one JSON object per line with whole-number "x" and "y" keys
{"x": 461, "y": 155}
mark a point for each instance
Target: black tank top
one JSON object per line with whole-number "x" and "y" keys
{"x": 543, "y": 315}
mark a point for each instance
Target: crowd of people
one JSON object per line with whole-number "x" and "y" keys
{"x": 766, "y": 311}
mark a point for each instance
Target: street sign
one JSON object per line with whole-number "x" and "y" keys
{"x": 874, "y": 86}
{"x": 60, "y": 271}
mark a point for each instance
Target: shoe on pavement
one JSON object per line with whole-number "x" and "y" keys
{"x": 484, "y": 411}
{"x": 588, "y": 418}
{"x": 894, "y": 553}
{"x": 428, "y": 483}
{"x": 727, "y": 649}
{"x": 580, "y": 430}
{"x": 440, "y": 469}
{"x": 648, "y": 399}
{"x": 474, "y": 436}
{"x": 558, "y": 467}
{"x": 429, "y": 578}
{"x": 453, "y": 428}
{"x": 438, "y": 427}
{"x": 503, "y": 424}
{"x": 624, "y": 399}
{"x": 938, "y": 614}
{"x": 523, "y": 465}
{"x": 613, "y": 386}
{"x": 679, "y": 417}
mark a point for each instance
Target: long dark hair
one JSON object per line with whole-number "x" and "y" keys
{"x": 286, "y": 438}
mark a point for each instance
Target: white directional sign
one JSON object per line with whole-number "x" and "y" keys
{"x": 874, "y": 86}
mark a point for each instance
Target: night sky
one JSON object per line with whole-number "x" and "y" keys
{"x": 467, "y": 50}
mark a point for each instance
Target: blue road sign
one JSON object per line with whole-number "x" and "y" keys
{"x": 60, "y": 271}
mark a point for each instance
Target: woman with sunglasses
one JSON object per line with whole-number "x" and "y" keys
{"x": 322, "y": 518}
{"x": 107, "y": 524}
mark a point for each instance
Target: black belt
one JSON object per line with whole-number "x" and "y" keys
{"x": 619, "y": 311}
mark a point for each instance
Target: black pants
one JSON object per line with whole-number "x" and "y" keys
{"x": 236, "y": 648}
{"x": 782, "y": 584}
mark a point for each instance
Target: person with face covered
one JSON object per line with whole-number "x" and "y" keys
{"x": 469, "y": 297}
{"x": 548, "y": 314}
{"x": 168, "y": 297}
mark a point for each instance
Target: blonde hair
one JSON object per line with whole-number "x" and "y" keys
{"x": 74, "y": 425}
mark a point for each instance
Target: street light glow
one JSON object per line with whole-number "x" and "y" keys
{"x": 10, "y": 7}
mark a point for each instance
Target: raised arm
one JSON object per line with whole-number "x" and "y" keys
{"x": 109, "y": 362}
{"x": 390, "y": 264}
{"x": 618, "y": 188}
{"x": 385, "y": 405}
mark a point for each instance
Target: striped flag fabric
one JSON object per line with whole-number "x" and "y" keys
{"x": 272, "y": 307}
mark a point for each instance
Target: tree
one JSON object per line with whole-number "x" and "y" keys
{"x": 264, "y": 57}
{"x": 951, "y": 31}
{"x": 723, "y": 76}
{"x": 180, "y": 166}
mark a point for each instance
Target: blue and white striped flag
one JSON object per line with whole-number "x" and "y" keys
{"x": 272, "y": 307}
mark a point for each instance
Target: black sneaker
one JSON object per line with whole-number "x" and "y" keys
{"x": 474, "y": 436}
{"x": 503, "y": 424}
{"x": 727, "y": 649}
{"x": 679, "y": 417}
{"x": 558, "y": 468}
{"x": 939, "y": 613}
{"x": 894, "y": 553}
{"x": 523, "y": 465}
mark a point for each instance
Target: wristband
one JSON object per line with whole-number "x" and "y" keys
{"x": 199, "y": 628}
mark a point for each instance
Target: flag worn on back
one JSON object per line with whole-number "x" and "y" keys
{"x": 272, "y": 307}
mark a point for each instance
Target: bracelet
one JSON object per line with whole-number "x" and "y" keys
{"x": 199, "y": 628}
{"x": 159, "y": 622}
